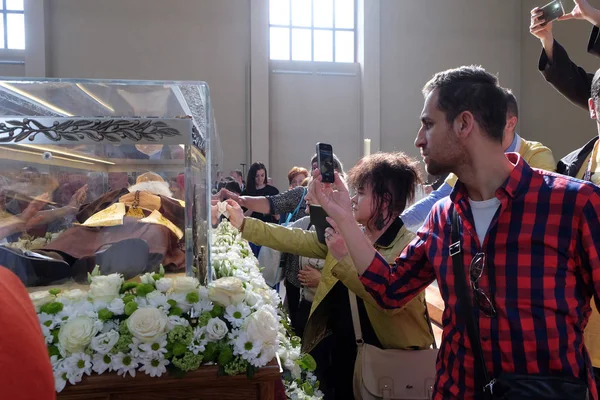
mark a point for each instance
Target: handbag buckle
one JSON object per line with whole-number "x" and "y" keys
{"x": 490, "y": 386}
{"x": 454, "y": 248}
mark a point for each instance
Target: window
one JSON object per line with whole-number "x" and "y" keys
{"x": 312, "y": 30}
{"x": 12, "y": 25}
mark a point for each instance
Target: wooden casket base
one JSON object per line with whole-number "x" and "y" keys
{"x": 203, "y": 384}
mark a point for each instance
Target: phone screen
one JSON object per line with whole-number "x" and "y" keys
{"x": 325, "y": 160}
{"x": 552, "y": 11}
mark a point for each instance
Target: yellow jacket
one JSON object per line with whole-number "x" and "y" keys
{"x": 402, "y": 328}
{"x": 534, "y": 153}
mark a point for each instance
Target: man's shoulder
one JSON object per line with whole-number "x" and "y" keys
{"x": 562, "y": 183}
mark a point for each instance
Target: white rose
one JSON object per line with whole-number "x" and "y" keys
{"x": 216, "y": 329}
{"x": 147, "y": 278}
{"x": 147, "y": 324}
{"x": 76, "y": 334}
{"x": 105, "y": 287}
{"x": 226, "y": 291}
{"x": 104, "y": 342}
{"x": 185, "y": 284}
{"x": 164, "y": 284}
{"x": 262, "y": 325}
{"x": 40, "y": 298}
{"x": 73, "y": 296}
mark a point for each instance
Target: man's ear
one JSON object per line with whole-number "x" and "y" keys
{"x": 592, "y": 108}
{"x": 463, "y": 124}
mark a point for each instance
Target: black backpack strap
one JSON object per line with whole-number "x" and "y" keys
{"x": 464, "y": 299}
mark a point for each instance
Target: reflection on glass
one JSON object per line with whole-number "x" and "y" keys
{"x": 344, "y": 14}
{"x": 301, "y": 45}
{"x": 15, "y": 24}
{"x": 323, "y": 13}
{"x": 323, "y": 45}
{"x": 280, "y": 43}
{"x": 301, "y": 13}
{"x": 344, "y": 46}
{"x": 279, "y": 12}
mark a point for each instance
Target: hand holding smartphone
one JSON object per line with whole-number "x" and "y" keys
{"x": 318, "y": 219}
{"x": 325, "y": 162}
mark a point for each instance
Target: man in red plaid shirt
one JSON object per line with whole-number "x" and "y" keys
{"x": 530, "y": 245}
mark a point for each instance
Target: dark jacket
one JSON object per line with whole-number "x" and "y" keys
{"x": 575, "y": 84}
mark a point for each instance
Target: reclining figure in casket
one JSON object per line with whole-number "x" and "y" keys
{"x": 129, "y": 231}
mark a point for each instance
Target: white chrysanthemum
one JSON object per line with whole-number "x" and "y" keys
{"x": 101, "y": 363}
{"x": 179, "y": 298}
{"x": 155, "y": 367}
{"x": 197, "y": 348}
{"x": 174, "y": 321}
{"x": 157, "y": 349}
{"x": 76, "y": 365}
{"x": 124, "y": 364}
{"x": 134, "y": 346}
{"x": 236, "y": 314}
{"x": 164, "y": 284}
{"x": 117, "y": 307}
{"x": 266, "y": 355}
{"x": 60, "y": 379}
{"x": 47, "y": 320}
{"x": 157, "y": 299}
{"x": 247, "y": 348}
{"x": 203, "y": 306}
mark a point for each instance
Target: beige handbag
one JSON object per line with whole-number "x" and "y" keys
{"x": 390, "y": 373}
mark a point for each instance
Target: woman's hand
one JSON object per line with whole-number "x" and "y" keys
{"x": 236, "y": 214}
{"x": 335, "y": 241}
{"x": 309, "y": 276}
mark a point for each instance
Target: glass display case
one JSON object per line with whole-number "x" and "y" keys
{"x": 109, "y": 173}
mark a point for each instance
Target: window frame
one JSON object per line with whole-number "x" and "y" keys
{"x": 5, "y": 13}
{"x": 312, "y": 30}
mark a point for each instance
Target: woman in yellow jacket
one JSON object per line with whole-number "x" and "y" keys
{"x": 384, "y": 183}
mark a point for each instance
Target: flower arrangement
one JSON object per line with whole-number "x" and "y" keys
{"x": 174, "y": 325}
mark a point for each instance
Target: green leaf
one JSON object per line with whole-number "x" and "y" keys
{"x": 307, "y": 363}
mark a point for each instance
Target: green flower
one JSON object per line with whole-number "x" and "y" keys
{"x": 179, "y": 349}
{"x": 156, "y": 276}
{"x": 105, "y": 315}
{"x": 192, "y": 297}
{"x": 130, "y": 308}
{"x": 128, "y": 286}
{"x": 189, "y": 362}
{"x": 172, "y": 303}
{"x": 237, "y": 366}
{"x": 204, "y": 318}
{"x": 128, "y": 298}
{"x": 54, "y": 292}
{"x": 122, "y": 345}
{"x": 181, "y": 334}
{"x": 143, "y": 289}
{"x": 217, "y": 311}
{"x": 176, "y": 311}
{"x": 52, "y": 308}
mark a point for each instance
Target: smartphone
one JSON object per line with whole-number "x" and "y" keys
{"x": 318, "y": 219}
{"x": 552, "y": 11}
{"x": 325, "y": 161}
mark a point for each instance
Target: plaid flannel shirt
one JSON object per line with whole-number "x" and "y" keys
{"x": 542, "y": 268}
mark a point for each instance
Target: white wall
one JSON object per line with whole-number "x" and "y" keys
{"x": 309, "y": 104}
{"x": 422, "y": 37}
{"x": 155, "y": 39}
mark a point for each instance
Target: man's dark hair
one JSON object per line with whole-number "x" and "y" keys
{"x": 595, "y": 91}
{"x": 391, "y": 177}
{"x": 238, "y": 172}
{"x": 229, "y": 184}
{"x": 471, "y": 88}
{"x": 512, "y": 107}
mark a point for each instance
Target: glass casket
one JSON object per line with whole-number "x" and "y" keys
{"x": 108, "y": 173}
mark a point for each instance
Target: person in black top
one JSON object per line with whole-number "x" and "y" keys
{"x": 256, "y": 185}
